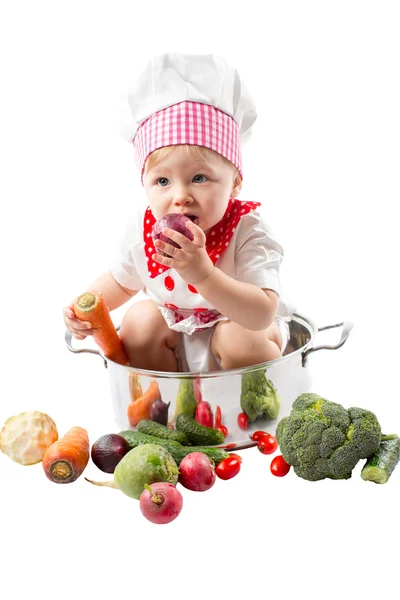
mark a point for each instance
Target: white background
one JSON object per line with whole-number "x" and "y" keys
{"x": 324, "y": 160}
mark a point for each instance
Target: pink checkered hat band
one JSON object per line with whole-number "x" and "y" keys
{"x": 189, "y": 123}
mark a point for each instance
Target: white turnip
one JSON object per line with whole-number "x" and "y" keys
{"x": 197, "y": 472}
{"x": 161, "y": 503}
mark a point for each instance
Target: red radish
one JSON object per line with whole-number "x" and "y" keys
{"x": 197, "y": 472}
{"x": 228, "y": 468}
{"x": 243, "y": 420}
{"x": 203, "y": 414}
{"x": 175, "y": 221}
{"x": 279, "y": 466}
{"x": 161, "y": 503}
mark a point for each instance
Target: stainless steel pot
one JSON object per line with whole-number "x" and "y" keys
{"x": 289, "y": 375}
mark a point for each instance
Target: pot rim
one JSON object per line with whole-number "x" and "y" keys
{"x": 305, "y": 321}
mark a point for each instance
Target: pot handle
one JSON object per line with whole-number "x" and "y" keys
{"x": 347, "y": 327}
{"x": 68, "y": 341}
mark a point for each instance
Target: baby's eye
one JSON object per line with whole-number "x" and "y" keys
{"x": 199, "y": 178}
{"x": 163, "y": 181}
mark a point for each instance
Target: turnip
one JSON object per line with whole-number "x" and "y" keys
{"x": 197, "y": 472}
{"x": 161, "y": 503}
{"x": 175, "y": 221}
{"x": 147, "y": 463}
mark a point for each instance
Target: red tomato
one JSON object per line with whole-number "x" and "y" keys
{"x": 236, "y": 456}
{"x": 258, "y": 435}
{"x": 218, "y": 417}
{"x": 228, "y": 468}
{"x": 223, "y": 429}
{"x": 267, "y": 444}
{"x": 243, "y": 420}
{"x": 279, "y": 466}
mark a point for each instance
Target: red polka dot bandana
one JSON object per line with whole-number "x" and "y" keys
{"x": 217, "y": 239}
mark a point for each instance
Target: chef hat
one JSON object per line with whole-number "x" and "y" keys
{"x": 190, "y": 99}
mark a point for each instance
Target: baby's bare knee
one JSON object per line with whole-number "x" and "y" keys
{"x": 237, "y": 347}
{"x": 144, "y": 325}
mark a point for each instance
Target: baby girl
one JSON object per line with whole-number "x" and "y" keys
{"x": 213, "y": 302}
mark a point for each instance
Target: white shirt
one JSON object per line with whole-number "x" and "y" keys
{"x": 252, "y": 256}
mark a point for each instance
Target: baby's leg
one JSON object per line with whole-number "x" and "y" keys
{"x": 148, "y": 341}
{"x": 237, "y": 347}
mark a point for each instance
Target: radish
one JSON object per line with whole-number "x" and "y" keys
{"x": 161, "y": 503}
{"x": 197, "y": 472}
{"x": 203, "y": 414}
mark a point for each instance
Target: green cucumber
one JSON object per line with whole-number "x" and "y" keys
{"x": 380, "y": 466}
{"x": 135, "y": 438}
{"x": 161, "y": 431}
{"x": 178, "y": 452}
{"x": 197, "y": 434}
{"x": 215, "y": 454}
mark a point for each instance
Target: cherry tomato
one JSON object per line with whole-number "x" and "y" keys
{"x": 258, "y": 435}
{"x": 243, "y": 420}
{"x": 228, "y": 468}
{"x": 279, "y": 466}
{"x": 223, "y": 429}
{"x": 236, "y": 456}
{"x": 267, "y": 444}
{"x": 218, "y": 417}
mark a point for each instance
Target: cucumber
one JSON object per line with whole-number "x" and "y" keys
{"x": 380, "y": 466}
{"x": 197, "y": 434}
{"x": 135, "y": 438}
{"x": 178, "y": 452}
{"x": 161, "y": 431}
{"x": 215, "y": 454}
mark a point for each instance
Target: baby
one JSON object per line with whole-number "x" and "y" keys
{"x": 212, "y": 303}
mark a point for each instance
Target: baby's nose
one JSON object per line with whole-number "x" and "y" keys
{"x": 182, "y": 196}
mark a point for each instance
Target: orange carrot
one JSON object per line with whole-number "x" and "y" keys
{"x": 65, "y": 460}
{"x": 91, "y": 307}
{"x": 140, "y": 408}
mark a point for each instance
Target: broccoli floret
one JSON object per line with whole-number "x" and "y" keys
{"x": 321, "y": 439}
{"x": 258, "y": 396}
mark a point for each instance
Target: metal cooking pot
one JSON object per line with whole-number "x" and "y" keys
{"x": 288, "y": 374}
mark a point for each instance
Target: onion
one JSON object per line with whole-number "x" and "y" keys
{"x": 108, "y": 450}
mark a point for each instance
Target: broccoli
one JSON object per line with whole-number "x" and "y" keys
{"x": 258, "y": 396}
{"x": 321, "y": 439}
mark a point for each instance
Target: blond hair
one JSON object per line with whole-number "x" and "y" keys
{"x": 199, "y": 152}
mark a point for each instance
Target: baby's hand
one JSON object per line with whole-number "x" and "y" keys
{"x": 79, "y": 329}
{"x": 191, "y": 260}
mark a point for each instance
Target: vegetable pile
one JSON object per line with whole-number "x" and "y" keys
{"x": 320, "y": 439}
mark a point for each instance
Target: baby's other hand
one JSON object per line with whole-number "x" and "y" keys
{"x": 79, "y": 329}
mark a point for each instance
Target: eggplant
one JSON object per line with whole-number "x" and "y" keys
{"x": 108, "y": 450}
{"x": 159, "y": 411}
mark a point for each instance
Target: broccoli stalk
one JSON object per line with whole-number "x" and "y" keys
{"x": 258, "y": 396}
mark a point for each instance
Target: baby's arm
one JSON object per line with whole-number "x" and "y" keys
{"x": 114, "y": 295}
{"x": 244, "y": 303}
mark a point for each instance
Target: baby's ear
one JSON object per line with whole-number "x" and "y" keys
{"x": 237, "y": 186}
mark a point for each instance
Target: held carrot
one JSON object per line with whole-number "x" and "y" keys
{"x": 66, "y": 459}
{"x": 91, "y": 307}
{"x": 140, "y": 408}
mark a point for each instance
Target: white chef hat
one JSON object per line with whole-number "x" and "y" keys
{"x": 189, "y": 98}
